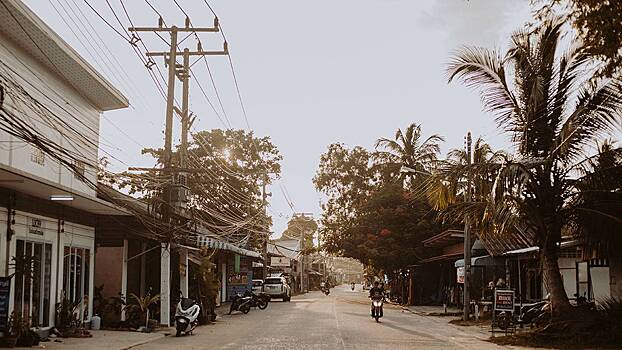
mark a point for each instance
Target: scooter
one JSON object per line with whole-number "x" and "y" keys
{"x": 260, "y": 300}
{"x": 240, "y": 303}
{"x": 376, "y": 307}
{"x": 186, "y": 316}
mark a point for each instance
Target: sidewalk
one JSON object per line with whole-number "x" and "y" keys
{"x": 104, "y": 340}
{"x": 433, "y": 310}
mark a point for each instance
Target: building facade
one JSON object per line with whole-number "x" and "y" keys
{"x": 52, "y": 100}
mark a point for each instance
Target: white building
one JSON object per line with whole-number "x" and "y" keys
{"x": 59, "y": 97}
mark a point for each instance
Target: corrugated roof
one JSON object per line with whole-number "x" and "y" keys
{"x": 499, "y": 243}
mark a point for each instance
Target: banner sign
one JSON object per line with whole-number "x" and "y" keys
{"x": 5, "y": 291}
{"x": 504, "y": 300}
{"x": 280, "y": 261}
{"x": 460, "y": 275}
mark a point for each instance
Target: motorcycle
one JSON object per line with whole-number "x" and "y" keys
{"x": 352, "y": 286}
{"x": 186, "y": 316}
{"x": 260, "y": 300}
{"x": 376, "y": 307}
{"x": 240, "y": 303}
{"x": 325, "y": 290}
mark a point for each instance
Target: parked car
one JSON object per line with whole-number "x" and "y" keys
{"x": 277, "y": 287}
{"x": 257, "y": 286}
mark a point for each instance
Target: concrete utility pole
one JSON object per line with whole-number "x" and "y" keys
{"x": 467, "y": 234}
{"x": 175, "y": 195}
{"x": 264, "y": 248}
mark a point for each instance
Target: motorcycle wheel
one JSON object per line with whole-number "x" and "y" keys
{"x": 245, "y": 309}
{"x": 262, "y": 304}
{"x": 503, "y": 322}
{"x": 178, "y": 333}
{"x": 377, "y": 318}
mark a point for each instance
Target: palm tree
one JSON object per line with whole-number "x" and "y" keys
{"x": 446, "y": 186}
{"x": 410, "y": 149}
{"x": 545, "y": 102}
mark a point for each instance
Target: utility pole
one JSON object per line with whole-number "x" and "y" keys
{"x": 264, "y": 248}
{"x": 467, "y": 233}
{"x": 175, "y": 193}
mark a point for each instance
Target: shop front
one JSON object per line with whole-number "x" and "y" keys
{"x": 50, "y": 260}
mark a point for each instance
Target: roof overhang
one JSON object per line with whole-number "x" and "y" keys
{"x": 444, "y": 238}
{"x": 20, "y": 181}
{"x": 23, "y": 27}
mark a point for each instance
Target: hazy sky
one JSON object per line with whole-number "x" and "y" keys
{"x": 310, "y": 72}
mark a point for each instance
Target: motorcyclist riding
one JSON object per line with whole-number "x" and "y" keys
{"x": 375, "y": 293}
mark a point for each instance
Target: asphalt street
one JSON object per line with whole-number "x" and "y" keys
{"x": 338, "y": 321}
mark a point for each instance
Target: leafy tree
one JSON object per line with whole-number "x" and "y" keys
{"x": 227, "y": 192}
{"x": 347, "y": 177}
{"x": 301, "y": 226}
{"x": 368, "y": 215}
{"x": 542, "y": 100}
{"x": 226, "y": 170}
{"x": 599, "y": 25}
{"x": 600, "y": 192}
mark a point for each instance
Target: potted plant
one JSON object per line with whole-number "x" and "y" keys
{"x": 66, "y": 320}
{"x": 142, "y": 305}
{"x": 10, "y": 338}
{"x": 19, "y": 329}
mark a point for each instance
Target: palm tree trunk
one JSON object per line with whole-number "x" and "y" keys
{"x": 554, "y": 282}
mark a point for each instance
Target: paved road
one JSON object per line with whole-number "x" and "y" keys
{"x": 338, "y": 321}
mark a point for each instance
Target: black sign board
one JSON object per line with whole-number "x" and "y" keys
{"x": 5, "y": 292}
{"x": 504, "y": 300}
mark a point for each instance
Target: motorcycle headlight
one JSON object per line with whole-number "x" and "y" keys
{"x": 377, "y": 303}
{"x": 181, "y": 320}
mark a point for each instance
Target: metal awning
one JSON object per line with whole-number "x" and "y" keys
{"x": 522, "y": 251}
{"x": 486, "y": 260}
{"x": 215, "y": 243}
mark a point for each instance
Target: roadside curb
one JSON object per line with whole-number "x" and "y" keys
{"x": 143, "y": 342}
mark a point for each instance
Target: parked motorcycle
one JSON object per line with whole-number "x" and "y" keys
{"x": 186, "y": 316}
{"x": 377, "y": 302}
{"x": 259, "y": 300}
{"x": 352, "y": 286}
{"x": 240, "y": 303}
{"x": 325, "y": 290}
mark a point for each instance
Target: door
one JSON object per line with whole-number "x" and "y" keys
{"x": 33, "y": 268}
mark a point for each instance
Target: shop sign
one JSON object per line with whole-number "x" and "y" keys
{"x": 5, "y": 291}
{"x": 35, "y": 226}
{"x": 460, "y": 274}
{"x": 504, "y": 300}
{"x": 238, "y": 279}
{"x": 280, "y": 261}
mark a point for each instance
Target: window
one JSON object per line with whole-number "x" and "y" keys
{"x": 37, "y": 156}
{"x": 76, "y": 265}
{"x": 79, "y": 169}
{"x": 32, "y": 293}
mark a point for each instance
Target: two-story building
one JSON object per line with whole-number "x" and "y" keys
{"x": 51, "y": 103}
